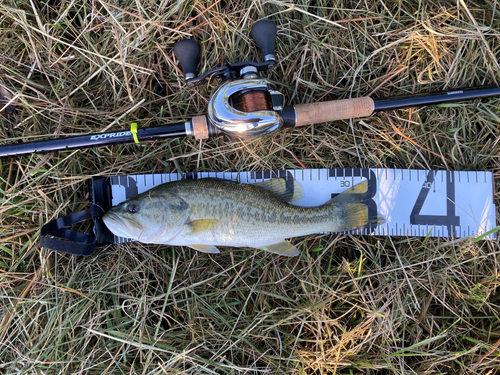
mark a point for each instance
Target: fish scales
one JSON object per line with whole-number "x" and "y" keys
{"x": 247, "y": 208}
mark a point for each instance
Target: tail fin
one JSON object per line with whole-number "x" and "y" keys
{"x": 357, "y": 211}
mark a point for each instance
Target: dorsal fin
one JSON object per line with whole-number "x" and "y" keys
{"x": 278, "y": 187}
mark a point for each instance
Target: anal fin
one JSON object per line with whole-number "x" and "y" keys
{"x": 209, "y": 249}
{"x": 282, "y": 248}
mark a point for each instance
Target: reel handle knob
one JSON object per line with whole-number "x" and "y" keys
{"x": 264, "y": 34}
{"x": 187, "y": 51}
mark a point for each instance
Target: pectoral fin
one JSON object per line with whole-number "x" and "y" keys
{"x": 203, "y": 225}
{"x": 282, "y": 248}
{"x": 209, "y": 249}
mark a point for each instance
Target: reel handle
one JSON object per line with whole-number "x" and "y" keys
{"x": 264, "y": 34}
{"x": 187, "y": 51}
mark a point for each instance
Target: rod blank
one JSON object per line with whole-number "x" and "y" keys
{"x": 433, "y": 98}
{"x": 93, "y": 140}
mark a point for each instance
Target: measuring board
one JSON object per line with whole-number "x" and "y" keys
{"x": 412, "y": 202}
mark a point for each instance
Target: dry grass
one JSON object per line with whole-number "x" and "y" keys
{"x": 361, "y": 305}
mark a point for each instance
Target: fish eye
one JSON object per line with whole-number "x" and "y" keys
{"x": 133, "y": 208}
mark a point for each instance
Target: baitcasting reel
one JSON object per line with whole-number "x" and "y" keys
{"x": 244, "y": 105}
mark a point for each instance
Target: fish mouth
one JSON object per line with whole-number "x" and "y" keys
{"x": 116, "y": 225}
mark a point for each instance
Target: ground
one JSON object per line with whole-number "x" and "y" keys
{"x": 348, "y": 304}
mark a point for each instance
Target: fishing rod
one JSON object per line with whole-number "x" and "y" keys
{"x": 246, "y": 105}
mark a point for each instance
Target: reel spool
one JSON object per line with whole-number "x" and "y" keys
{"x": 244, "y": 105}
{"x": 252, "y": 101}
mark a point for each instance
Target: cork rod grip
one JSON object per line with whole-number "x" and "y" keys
{"x": 200, "y": 127}
{"x": 316, "y": 113}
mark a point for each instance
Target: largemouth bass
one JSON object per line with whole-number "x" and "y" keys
{"x": 206, "y": 213}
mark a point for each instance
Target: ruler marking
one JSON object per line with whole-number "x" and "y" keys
{"x": 454, "y": 220}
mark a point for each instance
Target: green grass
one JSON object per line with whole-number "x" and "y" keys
{"x": 347, "y": 304}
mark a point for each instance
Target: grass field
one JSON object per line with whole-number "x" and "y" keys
{"x": 348, "y": 304}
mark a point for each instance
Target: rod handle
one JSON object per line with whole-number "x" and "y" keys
{"x": 187, "y": 51}
{"x": 316, "y": 113}
{"x": 264, "y": 34}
